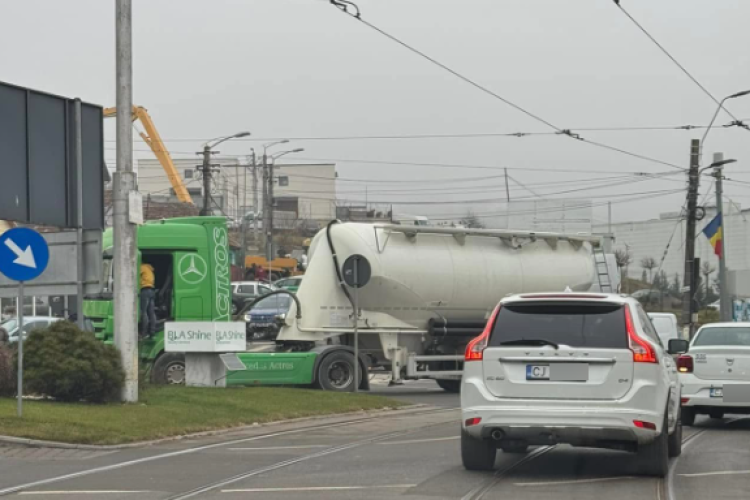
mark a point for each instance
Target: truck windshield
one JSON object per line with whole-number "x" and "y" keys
{"x": 573, "y": 324}
{"x": 107, "y": 276}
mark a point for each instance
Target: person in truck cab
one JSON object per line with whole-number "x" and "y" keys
{"x": 148, "y": 300}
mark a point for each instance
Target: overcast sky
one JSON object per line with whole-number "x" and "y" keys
{"x": 301, "y": 68}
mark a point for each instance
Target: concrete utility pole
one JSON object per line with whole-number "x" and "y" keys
{"x": 255, "y": 201}
{"x": 266, "y": 209}
{"x": 270, "y": 215}
{"x": 206, "y": 171}
{"x": 688, "y": 306}
{"x": 725, "y": 302}
{"x": 125, "y": 242}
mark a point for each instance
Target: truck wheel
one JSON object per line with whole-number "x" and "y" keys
{"x": 688, "y": 416}
{"x": 453, "y": 386}
{"x": 169, "y": 369}
{"x": 477, "y": 454}
{"x": 653, "y": 458}
{"x": 336, "y": 372}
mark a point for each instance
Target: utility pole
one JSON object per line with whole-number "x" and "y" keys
{"x": 688, "y": 306}
{"x": 255, "y": 201}
{"x": 270, "y": 214}
{"x": 725, "y": 303}
{"x": 125, "y": 242}
{"x": 206, "y": 171}
{"x": 266, "y": 208}
{"x": 507, "y": 199}
{"x": 609, "y": 217}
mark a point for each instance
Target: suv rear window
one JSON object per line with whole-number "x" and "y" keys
{"x": 570, "y": 323}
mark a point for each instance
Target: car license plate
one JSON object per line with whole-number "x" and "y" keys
{"x": 262, "y": 325}
{"x": 717, "y": 392}
{"x": 537, "y": 372}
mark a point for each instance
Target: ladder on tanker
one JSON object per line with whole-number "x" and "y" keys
{"x": 602, "y": 270}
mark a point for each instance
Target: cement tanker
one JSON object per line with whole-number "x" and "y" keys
{"x": 430, "y": 291}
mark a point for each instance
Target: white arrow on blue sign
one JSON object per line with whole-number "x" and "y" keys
{"x": 24, "y": 254}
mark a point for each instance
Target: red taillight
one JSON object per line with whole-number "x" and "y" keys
{"x": 684, "y": 401}
{"x": 472, "y": 421}
{"x": 642, "y": 350}
{"x": 685, "y": 364}
{"x": 644, "y": 425}
{"x": 477, "y": 345}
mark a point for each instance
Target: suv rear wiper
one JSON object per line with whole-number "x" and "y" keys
{"x": 531, "y": 342}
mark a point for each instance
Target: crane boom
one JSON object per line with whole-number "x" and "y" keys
{"x": 153, "y": 139}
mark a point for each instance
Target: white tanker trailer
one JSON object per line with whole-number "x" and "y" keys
{"x": 430, "y": 291}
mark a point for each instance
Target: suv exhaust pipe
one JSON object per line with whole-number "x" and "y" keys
{"x": 497, "y": 434}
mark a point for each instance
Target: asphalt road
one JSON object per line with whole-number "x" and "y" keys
{"x": 413, "y": 456}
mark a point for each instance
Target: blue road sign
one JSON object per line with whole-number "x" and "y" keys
{"x": 24, "y": 254}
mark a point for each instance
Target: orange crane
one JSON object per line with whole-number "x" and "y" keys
{"x": 153, "y": 139}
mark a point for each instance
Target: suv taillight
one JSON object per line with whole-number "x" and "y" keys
{"x": 642, "y": 350}
{"x": 685, "y": 364}
{"x": 475, "y": 348}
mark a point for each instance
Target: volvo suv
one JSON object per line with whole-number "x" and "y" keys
{"x": 580, "y": 369}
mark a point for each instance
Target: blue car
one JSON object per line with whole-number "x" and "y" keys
{"x": 264, "y": 317}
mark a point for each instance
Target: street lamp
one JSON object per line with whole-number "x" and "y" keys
{"x": 269, "y": 203}
{"x": 206, "y": 167}
{"x": 719, "y": 107}
{"x": 717, "y": 164}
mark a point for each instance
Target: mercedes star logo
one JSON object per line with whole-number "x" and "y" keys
{"x": 192, "y": 268}
{"x": 730, "y": 361}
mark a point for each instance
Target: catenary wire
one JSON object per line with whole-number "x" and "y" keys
{"x": 482, "y": 88}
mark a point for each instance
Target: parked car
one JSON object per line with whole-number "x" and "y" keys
{"x": 666, "y": 326}
{"x": 264, "y": 317}
{"x": 245, "y": 291}
{"x": 30, "y": 323}
{"x": 291, "y": 284}
{"x": 715, "y": 372}
{"x": 580, "y": 369}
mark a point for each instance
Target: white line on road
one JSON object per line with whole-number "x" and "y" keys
{"x": 83, "y": 492}
{"x": 320, "y": 488}
{"x": 716, "y": 473}
{"x": 575, "y": 481}
{"x": 414, "y": 441}
{"x": 282, "y": 447}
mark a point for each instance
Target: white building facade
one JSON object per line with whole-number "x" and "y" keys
{"x": 650, "y": 239}
{"x": 308, "y": 190}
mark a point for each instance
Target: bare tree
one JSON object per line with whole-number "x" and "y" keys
{"x": 649, "y": 264}
{"x": 707, "y": 270}
{"x": 472, "y": 221}
{"x": 623, "y": 260}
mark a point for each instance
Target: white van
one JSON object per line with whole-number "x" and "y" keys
{"x": 666, "y": 326}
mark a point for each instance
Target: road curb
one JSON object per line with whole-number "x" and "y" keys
{"x": 339, "y": 417}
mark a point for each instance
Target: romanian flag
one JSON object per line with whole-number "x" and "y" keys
{"x": 715, "y": 233}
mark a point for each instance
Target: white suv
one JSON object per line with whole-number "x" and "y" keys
{"x": 581, "y": 369}
{"x": 715, "y": 373}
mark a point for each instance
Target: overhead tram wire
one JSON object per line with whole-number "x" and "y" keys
{"x": 682, "y": 68}
{"x": 635, "y": 197}
{"x": 344, "y": 6}
{"x": 466, "y": 135}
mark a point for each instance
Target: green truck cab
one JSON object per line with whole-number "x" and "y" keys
{"x": 192, "y": 265}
